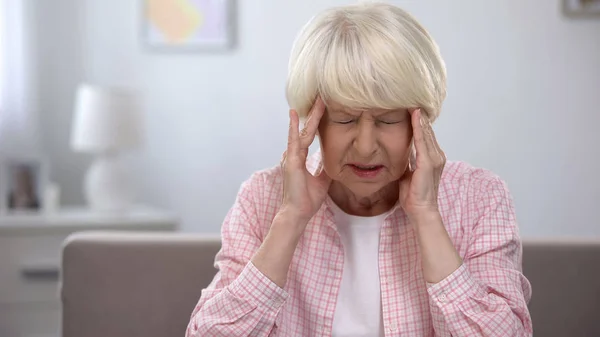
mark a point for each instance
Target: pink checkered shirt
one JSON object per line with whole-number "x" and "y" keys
{"x": 486, "y": 296}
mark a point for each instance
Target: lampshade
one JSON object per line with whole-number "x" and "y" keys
{"x": 106, "y": 119}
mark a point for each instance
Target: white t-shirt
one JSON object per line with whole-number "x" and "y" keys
{"x": 358, "y": 310}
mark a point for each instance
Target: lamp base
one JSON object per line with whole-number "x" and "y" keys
{"x": 108, "y": 186}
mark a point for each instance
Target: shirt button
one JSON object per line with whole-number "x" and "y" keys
{"x": 393, "y": 327}
{"x": 442, "y": 298}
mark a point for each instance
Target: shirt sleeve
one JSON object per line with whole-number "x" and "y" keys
{"x": 240, "y": 300}
{"x": 488, "y": 294}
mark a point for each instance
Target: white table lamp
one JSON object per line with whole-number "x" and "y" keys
{"x": 107, "y": 122}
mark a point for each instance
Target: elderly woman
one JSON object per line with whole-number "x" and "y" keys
{"x": 376, "y": 234}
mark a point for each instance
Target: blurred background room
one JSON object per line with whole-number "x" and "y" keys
{"x": 123, "y": 115}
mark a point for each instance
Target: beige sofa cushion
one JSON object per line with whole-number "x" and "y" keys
{"x": 146, "y": 285}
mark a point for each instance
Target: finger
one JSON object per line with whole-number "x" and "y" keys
{"x": 311, "y": 126}
{"x": 435, "y": 151}
{"x": 315, "y": 114}
{"x": 282, "y": 166}
{"x": 422, "y": 152}
{"x": 318, "y": 170}
{"x": 282, "y": 161}
{"x": 412, "y": 158}
{"x": 322, "y": 176}
{"x": 293, "y": 134}
{"x": 441, "y": 156}
{"x": 428, "y": 134}
{"x": 407, "y": 175}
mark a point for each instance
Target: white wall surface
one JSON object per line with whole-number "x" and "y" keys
{"x": 524, "y": 98}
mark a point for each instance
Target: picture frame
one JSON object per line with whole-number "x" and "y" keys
{"x": 581, "y": 8}
{"x": 23, "y": 181}
{"x": 188, "y": 26}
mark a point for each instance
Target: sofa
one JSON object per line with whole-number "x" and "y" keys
{"x": 122, "y": 284}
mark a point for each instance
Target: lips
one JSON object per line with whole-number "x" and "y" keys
{"x": 366, "y": 171}
{"x": 366, "y": 167}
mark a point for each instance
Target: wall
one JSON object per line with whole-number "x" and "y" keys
{"x": 523, "y": 101}
{"x": 19, "y": 136}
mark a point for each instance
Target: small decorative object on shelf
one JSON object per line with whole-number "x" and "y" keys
{"x": 23, "y": 182}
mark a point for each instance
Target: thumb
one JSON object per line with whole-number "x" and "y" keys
{"x": 406, "y": 176}
{"x": 322, "y": 176}
{"x": 412, "y": 158}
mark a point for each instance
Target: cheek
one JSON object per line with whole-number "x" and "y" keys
{"x": 330, "y": 137}
{"x": 396, "y": 146}
{"x": 334, "y": 145}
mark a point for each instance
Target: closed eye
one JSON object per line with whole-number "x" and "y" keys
{"x": 344, "y": 121}
{"x": 389, "y": 122}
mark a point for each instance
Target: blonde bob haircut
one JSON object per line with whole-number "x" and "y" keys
{"x": 363, "y": 56}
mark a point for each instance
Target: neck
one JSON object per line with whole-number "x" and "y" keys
{"x": 370, "y": 205}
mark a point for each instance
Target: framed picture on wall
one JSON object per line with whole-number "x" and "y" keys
{"x": 188, "y": 25}
{"x": 581, "y": 8}
{"x": 22, "y": 184}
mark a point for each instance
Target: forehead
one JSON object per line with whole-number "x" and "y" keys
{"x": 333, "y": 107}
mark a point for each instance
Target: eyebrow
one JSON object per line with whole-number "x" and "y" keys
{"x": 392, "y": 112}
{"x": 382, "y": 114}
{"x": 338, "y": 111}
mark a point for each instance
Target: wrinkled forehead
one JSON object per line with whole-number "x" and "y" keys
{"x": 336, "y": 108}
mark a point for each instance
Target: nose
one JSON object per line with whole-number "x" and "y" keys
{"x": 365, "y": 142}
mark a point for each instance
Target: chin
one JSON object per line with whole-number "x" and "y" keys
{"x": 363, "y": 189}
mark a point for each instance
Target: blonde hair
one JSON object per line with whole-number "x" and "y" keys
{"x": 368, "y": 55}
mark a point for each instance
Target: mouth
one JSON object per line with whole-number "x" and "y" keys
{"x": 366, "y": 171}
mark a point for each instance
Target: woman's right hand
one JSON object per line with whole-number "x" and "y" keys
{"x": 303, "y": 193}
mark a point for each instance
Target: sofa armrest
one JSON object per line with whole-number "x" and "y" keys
{"x": 133, "y": 284}
{"x": 565, "y": 279}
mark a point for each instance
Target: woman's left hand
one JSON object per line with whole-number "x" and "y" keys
{"x": 419, "y": 197}
{"x": 420, "y": 184}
